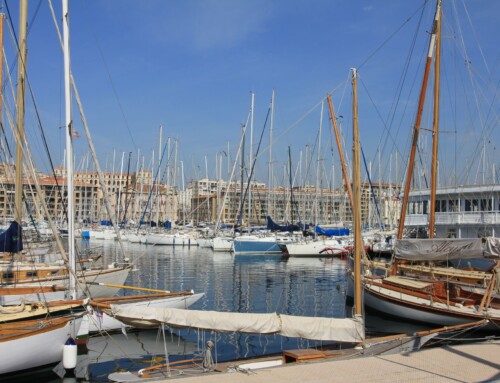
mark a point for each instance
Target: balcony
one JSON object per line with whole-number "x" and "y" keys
{"x": 461, "y": 218}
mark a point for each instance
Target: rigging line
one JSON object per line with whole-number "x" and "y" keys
{"x": 475, "y": 35}
{"x": 372, "y": 191}
{"x": 151, "y": 190}
{"x": 37, "y": 114}
{"x": 253, "y": 164}
{"x": 392, "y": 35}
{"x": 113, "y": 87}
{"x": 380, "y": 116}
{"x": 12, "y": 30}
{"x": 301, "y": 118}
{"x": 404, "y": 74}
{"x": 468, "y": 66}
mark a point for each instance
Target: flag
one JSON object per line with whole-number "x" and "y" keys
{"x": 74, "y": 133}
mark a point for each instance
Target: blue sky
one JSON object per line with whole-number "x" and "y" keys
{"x": 192, "y": 65}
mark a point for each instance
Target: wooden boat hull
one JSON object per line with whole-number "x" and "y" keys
{"x": 34, "y": 343}
{"x": 405, "y": 306}
{"x": 111, "y": 276}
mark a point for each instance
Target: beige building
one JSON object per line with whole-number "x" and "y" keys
{"x": 132, "y": 197}
{"x": 306, "y": 204}
{"x": 53, "y": 192}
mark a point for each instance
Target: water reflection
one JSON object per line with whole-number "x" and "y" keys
{"x": 246, "y": 283}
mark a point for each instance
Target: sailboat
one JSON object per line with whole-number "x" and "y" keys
{"x": 23, "y": 344}
{"x": 96, "y": 283}
{"x": 320, "y": 246}
{"x": 444, "y": 301}
{"x": 344, "y": 330}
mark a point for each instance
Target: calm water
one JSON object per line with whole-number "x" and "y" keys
{"x": 257, "y": 284}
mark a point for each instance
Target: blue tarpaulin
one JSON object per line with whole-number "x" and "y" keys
{"x": 271, "y": 225}
{"x": 337, "y": 232}
{"x": 11, "y": 240}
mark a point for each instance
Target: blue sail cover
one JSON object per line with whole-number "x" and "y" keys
{"x": 11, "y": 240}
{"x": 332, "y": 232}
{"x": 271, "y": 225}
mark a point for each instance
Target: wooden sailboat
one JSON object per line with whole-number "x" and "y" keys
{"x": 427, "y": 299}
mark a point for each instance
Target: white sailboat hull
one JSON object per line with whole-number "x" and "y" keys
{"x": 223, "y": 244}
{"x": 322, "y": 248}
{"x": 170, "y": 239}
{"x": 35, "y": 350}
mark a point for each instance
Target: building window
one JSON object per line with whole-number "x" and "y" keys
{"x": 486, "y": 205}
{"x": 475, "y": 205}
{"x": 452, "y": 233}
{"x": 468, "y": 205}
{"x": 454, "y": 205}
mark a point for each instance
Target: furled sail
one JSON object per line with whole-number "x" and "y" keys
{"x": 325, "y": 329}
{"x": 441, "y": 249}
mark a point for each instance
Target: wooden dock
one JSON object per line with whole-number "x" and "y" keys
{"x": 475, "y": 362}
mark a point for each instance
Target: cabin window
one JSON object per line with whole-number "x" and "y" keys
{"x": 31, "y": 274}
{"x": 7, "y": 275}
{"x": 452, "y": 233}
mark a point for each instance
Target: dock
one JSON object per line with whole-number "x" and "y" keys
{"x": 473, "y": 362}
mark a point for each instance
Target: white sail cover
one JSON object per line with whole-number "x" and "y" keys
{"x": 441, "y": 249}
{"x": 325, "y": 329}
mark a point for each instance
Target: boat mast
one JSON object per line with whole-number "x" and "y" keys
{"x": 435, "y": 128}
{"x": 341, "y": 151}
{"x": 270, "y": 206}
{"x": 356, "y": 210}
{"x": 318, "y": 169}
{"x": 21, "y": 83}
{"x": 418, "y": 120}
{"x": 250, "y": 164}
{"x": 69, "y": 151}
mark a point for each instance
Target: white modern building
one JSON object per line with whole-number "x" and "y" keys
{"x": 461, "y": 212}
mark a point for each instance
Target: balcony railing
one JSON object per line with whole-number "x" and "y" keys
{"x": 465, "y": 218}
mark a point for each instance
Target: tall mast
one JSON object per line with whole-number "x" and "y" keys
{"x": 356, "y": 168}
{"x": 435, "y": 128}
{"x": 418, "y": 120}
{"x": 21, "y": 84}
{"x": 250, "y": 164}
{"x": 270, "y": 169}
{"x": 69, "y": 151}
{"x": 318, "y": 166}
{"x": 341, "y": 151}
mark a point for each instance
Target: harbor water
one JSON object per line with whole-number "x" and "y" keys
{"x": 246, "y": 283}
